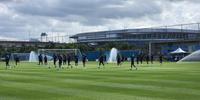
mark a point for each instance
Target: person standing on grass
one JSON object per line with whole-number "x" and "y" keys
{"x": 141, "y": 58}
{"x": 60, "y": 59}
{"x": 138, "y": 59}
{"x": 119, "y": 60}
{"x": 54, "y": 59}
{"x": 101, "y": 61}
{"x": 147, "y": 59}
{"x": 161, "y": 59}
{"x": 40, "y": 58}
{"x": 16, "y": 60}
{"x": 76, "y": 60}
{"x": 7, "y": 60}
{"x": 64, "y": 59}
{"x": 152, "y": 59}
{"x": 122, "y": 59}
{"x": 133, "y": 62}
{"x": 84, "y": 60}
{"x": 69, "y": 61}
{"x": 45, "y": 60}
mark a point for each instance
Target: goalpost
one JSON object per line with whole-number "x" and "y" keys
{"x": 51, "y": 52}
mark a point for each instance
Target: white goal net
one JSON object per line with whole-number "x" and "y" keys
{"x": 67, "y": 52}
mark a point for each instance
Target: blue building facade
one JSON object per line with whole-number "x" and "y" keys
{"x": 156, "y": 40}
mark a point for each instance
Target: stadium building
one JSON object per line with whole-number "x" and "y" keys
{"x": 156, "y": 40}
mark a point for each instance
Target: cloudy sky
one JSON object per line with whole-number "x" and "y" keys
{"x": 20, "y": 19}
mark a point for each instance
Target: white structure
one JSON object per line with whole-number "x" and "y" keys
{"x": 33, "y": 57}
{"x": 178, "y": 51}
{"x": 194, "y": 57}
{"x": 113, "y": 55}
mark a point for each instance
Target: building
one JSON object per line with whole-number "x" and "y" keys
{"x": 157, "y": 40}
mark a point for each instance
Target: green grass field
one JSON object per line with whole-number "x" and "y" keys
{"x": 170, "y": 81}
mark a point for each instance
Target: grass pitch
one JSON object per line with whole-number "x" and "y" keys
{"x": 169, "y": 81}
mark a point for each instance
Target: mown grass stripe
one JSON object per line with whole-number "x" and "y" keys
{"x": 151, "y": 82}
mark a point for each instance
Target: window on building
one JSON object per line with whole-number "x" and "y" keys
{"x": 82, "y": 37}
{"x": 111, "y": 35}
{"x": 192, "y": 36}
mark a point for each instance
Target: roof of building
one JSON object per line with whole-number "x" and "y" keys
{"x": 142, "y": 30}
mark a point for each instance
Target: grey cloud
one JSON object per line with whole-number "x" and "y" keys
{"x": 18, "y": 17}
{"x": 90, "y": 11}
{"x": 192, "y": 1}
{"x": 10, "y": 1}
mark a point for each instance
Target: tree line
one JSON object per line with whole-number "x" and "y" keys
{"x": 82, "y": 46}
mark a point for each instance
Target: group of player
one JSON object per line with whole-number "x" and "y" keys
{"x": 139, "y": 59}
{"x": 59, "y": 60}
{"x": 7, "y": 60}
